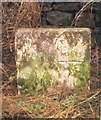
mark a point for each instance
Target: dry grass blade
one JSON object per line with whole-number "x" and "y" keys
{"x": 93, "y": 113}
{"x": 80, "y": 12}
{"x": 88, "y": 99}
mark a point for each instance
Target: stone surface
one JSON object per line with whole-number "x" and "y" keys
{"x": 98, "y": 18}
{"x": 62, "y": 53}
{"x": 85, "y": 20}
{"x": 97, "y": 30}
{"x": 59, "y": 18}
{"x": 67, "y": 7}
{"x": 46, "y": 6}
{"x": 98, "y": 40}
{"x": 97, "y": 7}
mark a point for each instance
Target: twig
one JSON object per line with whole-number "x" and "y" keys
{"x": 25, "y": 109}
{"x": 98, "y": 92}
{"x": 17, "y": 20}
{"x": 80, "y": 12}
{"x": 6, "y": 84}
{"x": 92, "y": 110}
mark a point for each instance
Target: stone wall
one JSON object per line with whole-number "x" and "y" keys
{"x": 63, "y": 14}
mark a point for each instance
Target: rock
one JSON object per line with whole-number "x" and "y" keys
{"x": 47, "y": 6}
{"x": 98, "y": 39}
{"x": 97, "y": 7}
{"x": 97, "y": 30}
{"x": 98, "y": 19}
{"x": 72, "y": 81}
{"x": 63, "y": 77}
{"x": 59, "y": 18}
{"x": 53, "y": 51}
{"x": 43, "y": 21}
{"x": 85, "y": 20}
{"x": 88, "y": 8}
{"x": 66, "y": 7}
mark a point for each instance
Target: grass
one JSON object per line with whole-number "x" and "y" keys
{"x": 82, "y": 105}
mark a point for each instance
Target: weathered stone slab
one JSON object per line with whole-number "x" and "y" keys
{"x": 62, "y": 53}
{"x": 67, "y": 7}
{"x": 59, "y": 18}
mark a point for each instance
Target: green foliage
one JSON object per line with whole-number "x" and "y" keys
{"x": 35, "y": 75}
{"x": 33, "y": 107}
{"x": 81, "y": 72}
{"x": 70, "y": 100}
{"x": 37, "y": 107}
